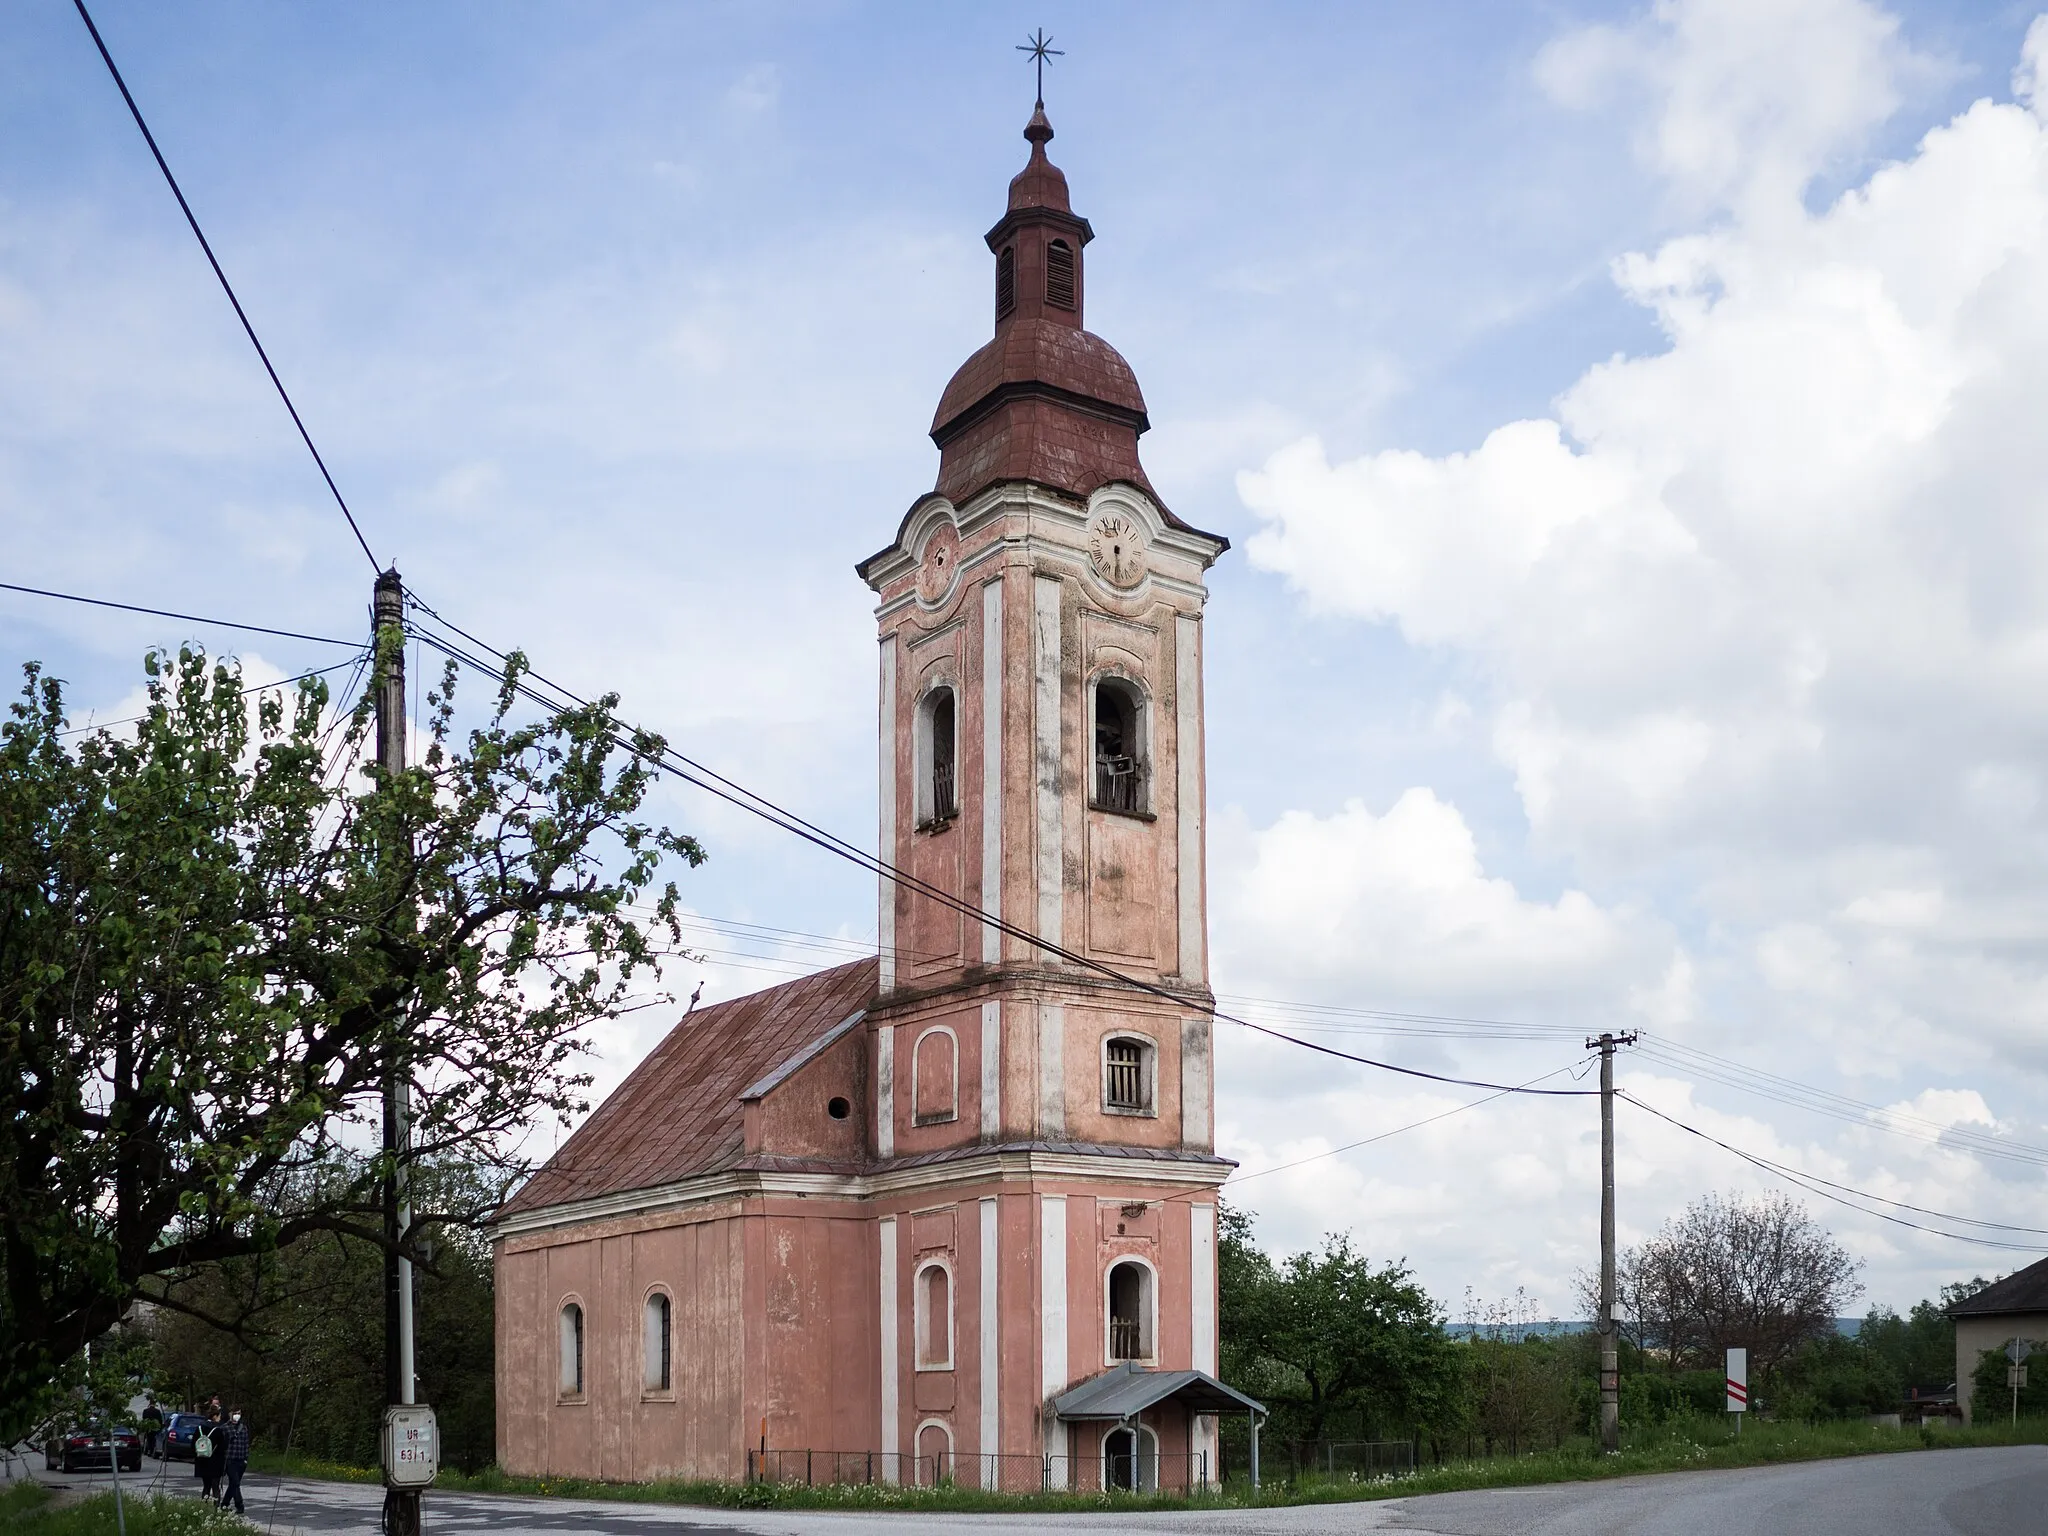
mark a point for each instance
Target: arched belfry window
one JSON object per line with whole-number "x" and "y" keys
{"x": 938, "y": 754}
{"x": 1129, "y": 1071}
{"x": 1059, "y": 275}
{"x": 1119, "y": 748}
{"x": 1006, "y": 281}
{"x": 1130, "y": 1311}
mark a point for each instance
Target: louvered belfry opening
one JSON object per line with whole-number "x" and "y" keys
{"x": 945, "y": 800}
{"x": 1059, "y": 275}
{"x": 1006, "y": 282}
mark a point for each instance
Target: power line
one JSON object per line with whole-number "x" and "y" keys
{"x": 1821, "y": 1101}
{"x": 736, "y": 794}
{"x": 1827, "y": 1190}
{"x": 1413, "y": 1125}
{"x": 187, "y": 618}
{"x": 226, "y": 287}
{"x": 283, "y": 682}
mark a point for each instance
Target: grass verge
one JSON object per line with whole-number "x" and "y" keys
{"x": 1693, "y": 1446}
{"x": 27, "y": 1509}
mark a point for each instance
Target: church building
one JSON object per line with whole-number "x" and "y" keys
{"x": 951, "y": 1208}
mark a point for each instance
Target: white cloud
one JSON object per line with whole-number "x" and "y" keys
{"x": 1398, "y": 906}
{"x": 1748, "y": 98}
{"x": 1757, "y": 621}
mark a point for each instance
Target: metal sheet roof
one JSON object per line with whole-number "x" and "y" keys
{"x": 2024, "y": 1290}
{"x": 1126, "y": 1390}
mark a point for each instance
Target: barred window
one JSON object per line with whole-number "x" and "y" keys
{"x": 938, "y": 753}
{"x": 1125, "y": 1088}
{"x": 1130, "y": 1312}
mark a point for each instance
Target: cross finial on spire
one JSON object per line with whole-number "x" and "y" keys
{"x": 1039, "y": 50}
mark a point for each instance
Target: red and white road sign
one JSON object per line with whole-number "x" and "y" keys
{"x": 1738, "y": 1381}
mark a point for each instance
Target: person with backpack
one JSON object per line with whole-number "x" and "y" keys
{"x": 207, "y": 1455}
{"x": 234, "y": 1451}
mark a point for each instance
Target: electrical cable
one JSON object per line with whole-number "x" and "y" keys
{"x": 226, "y": 287}
{"x": 188, "y": 618}
{"x": 1414, "y": 1125}
{"x": 712, "y": 782}
{"x": 1826, "y": 1189}
{"x": 283, "y": 682}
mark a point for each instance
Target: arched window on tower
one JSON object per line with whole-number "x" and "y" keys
{"x": 1059, "y": 275}
{"x": 938, "y": 752}
{"x": 934, "y": 1318}
{"x": 1006, "y": 281}
{"x": 1119, "y": 748}
{"x": 935, "y": 1076}
{"x": 1130, "y": 1311}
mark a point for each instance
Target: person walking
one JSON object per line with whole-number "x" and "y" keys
{"x": 153, "y": 1429}
{"x": 235, "y": 1457}
{"x": 208, "y": 1454}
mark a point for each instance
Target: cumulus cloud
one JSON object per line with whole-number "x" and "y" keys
{"x": 1761, "y": 615}
{"x": 1398, "y": 905}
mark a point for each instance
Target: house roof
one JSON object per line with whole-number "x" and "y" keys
{"x": 2024, "y": 1290}
{"x": 679, "y": 1112}
{"x": 1128, "y": 1389}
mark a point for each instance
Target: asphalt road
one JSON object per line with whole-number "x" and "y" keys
{"x": 1993, "y": 1492}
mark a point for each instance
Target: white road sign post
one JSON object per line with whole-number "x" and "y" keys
{"x": 2016, "y": 1372}
{"x": 1738, "y": 1385}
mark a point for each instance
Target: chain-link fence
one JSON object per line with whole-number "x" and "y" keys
{"x": 1341, "y": 1460}
{"x": 1146, "y": 1472}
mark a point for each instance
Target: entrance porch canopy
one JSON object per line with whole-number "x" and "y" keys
{"x": 1127, "y": 1390}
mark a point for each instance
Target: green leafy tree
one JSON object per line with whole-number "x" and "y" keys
{"x": 213, "y": 947}
{"x": 1327, "y": 1333}
{"x": 1992, "y": 1398}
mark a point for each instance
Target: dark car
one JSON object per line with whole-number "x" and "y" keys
{"x": 80, "y": 1450}
{"x": 180, "y": 1430}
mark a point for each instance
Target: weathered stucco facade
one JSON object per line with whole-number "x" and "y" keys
{"x": 905, "y": 1206}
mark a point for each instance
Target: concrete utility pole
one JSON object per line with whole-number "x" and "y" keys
{"x": 1610, "y": 1356}
{"x": 401, "y": 1505}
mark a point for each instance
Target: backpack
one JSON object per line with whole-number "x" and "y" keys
{"x": 202, "y": 1446}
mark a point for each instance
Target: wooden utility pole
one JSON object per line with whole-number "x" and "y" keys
{"x": 1610, "y": 1355}
{"x": 401, "y": 1505}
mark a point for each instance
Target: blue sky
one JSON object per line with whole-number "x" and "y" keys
{"x": 621, "y": 327}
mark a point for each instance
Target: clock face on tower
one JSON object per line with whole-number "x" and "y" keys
{"x": 1116, "y": 548}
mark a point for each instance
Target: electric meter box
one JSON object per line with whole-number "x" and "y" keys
{"x": 412, "y": 1447}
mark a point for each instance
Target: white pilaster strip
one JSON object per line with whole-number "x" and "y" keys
{"x": 1052, "y": 1077}
{"x": 991, "y": 1070}
{"x": 1187, "y": 712}
{"x": 885, "y": 1091}
{"x": 885, "y": 794}
{"x": 991, "y": 1421}
{"x": 1202, "y": 1314}
{"x": 1052, "y": 1294}
{"x": 892, "y": 1364}
{"x": 1045, "y": 758}
{"x": 992, "y": 766}
{"x": 1197, "y": 1093}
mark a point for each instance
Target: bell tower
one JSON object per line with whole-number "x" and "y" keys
{"x": 1041, "y": 762}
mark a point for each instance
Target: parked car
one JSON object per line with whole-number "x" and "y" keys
{"x": 79, "y": 1449}
{"x": 180, "y": 1430}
